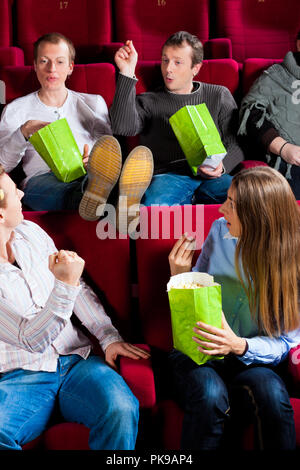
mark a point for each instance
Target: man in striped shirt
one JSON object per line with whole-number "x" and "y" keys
{"x": 43, "y": 356}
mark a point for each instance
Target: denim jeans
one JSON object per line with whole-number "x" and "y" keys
{"x": 46, "y": 193}
{"x": 87, "y": 391}
{"x": 211, "y": 393}
{"x": 170, "y": 188}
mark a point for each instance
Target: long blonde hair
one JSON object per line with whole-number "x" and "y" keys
{"x": 269, "y": 248}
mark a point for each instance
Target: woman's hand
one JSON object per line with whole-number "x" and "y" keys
{"x": 120, "y": 348}
{"x": 220, "y": 341}
{"x": 181, "y": 256}
{"x": 291, "y": 154}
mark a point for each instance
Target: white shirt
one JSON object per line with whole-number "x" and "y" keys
{"x": 35, "y": 308}
{"x": 87, "y": 116}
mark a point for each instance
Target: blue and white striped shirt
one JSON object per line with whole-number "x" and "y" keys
{"x": 35, "y": 308}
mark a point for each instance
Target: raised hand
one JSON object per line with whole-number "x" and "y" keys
{"x": 126, "y": 59}
{"x": 181, "y": 256}
{"x": 66, "y": 266}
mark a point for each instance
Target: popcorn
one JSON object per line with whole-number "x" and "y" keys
{"x": 193, "y": 297}
{"x": 190, "y": 280}
{"x": 189, "y": 285}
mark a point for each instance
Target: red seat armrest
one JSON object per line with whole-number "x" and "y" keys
{"x": 294, "y": 364}
{"x": 138, "y": 374}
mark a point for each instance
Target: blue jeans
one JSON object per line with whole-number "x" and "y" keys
{"x": 87, "y": 391}
{"x": 211, "y": 394}
{"x": 170, "y": 188}
{"x": 46, "y": 193}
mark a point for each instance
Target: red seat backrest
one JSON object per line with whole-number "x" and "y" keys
{"x": 107, "y": 262}
{"x": 217, "y": 71}
{"x": 10, "y": 55}
{"x": 153, "y": 267}
{"x": 5, "y": 23}
{"x": 252, "y": 69}
{"x": 90, "y": 78}
{"x": 259, "y": 28}
{"x": 87, "y": 23}
{"x": 149, "y": 24}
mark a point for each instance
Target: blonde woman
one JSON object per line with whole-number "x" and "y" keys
{"x": 254, "y": 253}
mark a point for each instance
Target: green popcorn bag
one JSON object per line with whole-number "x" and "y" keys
{"x": 198, "y": 136}
{"x": 190, "y": 303}
{"x": 56, "y": 145}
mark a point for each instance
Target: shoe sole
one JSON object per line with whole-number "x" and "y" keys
{"x": 104, "y": 167}
{"x": 135, "y": 178}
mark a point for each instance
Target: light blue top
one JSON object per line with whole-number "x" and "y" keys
{"x": 217, "y": 259}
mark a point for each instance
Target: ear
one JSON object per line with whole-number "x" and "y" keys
{"x": 34, "y": 65}
{"x": 71, "y": 67}
{"x": 196, "y": 68}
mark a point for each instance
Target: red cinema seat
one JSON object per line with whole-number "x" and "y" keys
{"x": 149, "y": 24}
{"x": 220, "y": 72}
{"x": 5, "y": 23}
{"x": 88, "y": 23}
{"x": 107, "y": 264}
{"x": 248, "y": 164}
{"x": 165, "y": 225}
{"x": 256, "y": 28}
{"x": 89, "y": 78}
{"x": 11, "y": 56}
{"x": 252, "y": 69}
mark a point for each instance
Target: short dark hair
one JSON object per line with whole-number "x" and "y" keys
{"x": 54, "y": 38}
{"x": 178, "y": 39}
{"x": 298, "y": 35}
